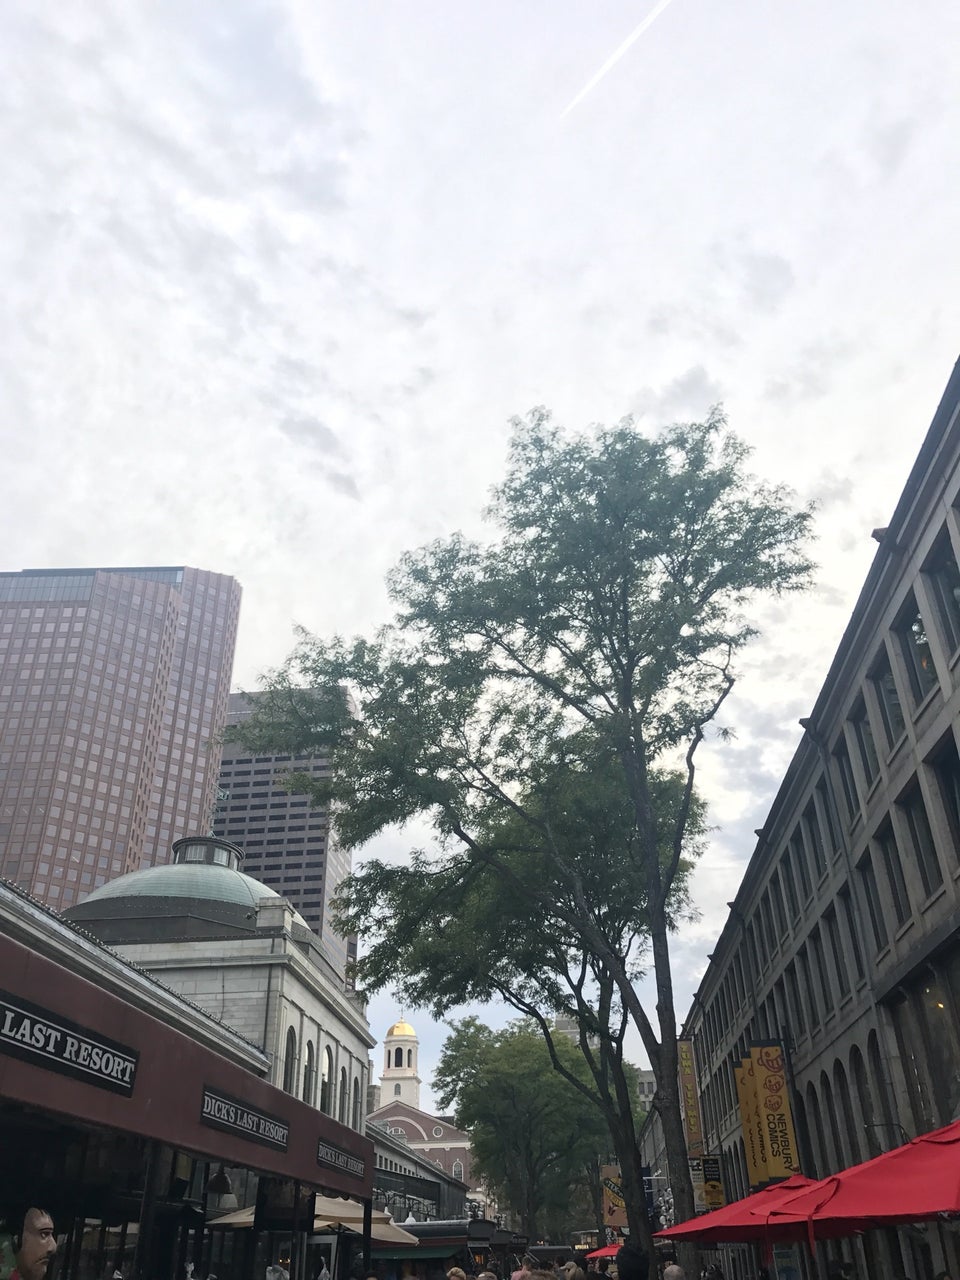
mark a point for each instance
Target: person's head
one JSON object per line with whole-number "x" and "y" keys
{"x": 34, "y": 1241}
{"x": 632, "y": 1263}
{"x": 456, "y": 1273}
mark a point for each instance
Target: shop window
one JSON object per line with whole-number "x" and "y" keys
{"x": 847, "y": 784}
{"x": 946, "y": 765}
{"x": 290, "y": 1062}
{"x": 818, "y": 960}
{"x": 865, "y": 745}
{"x": 868, "y": 878}
{"x": 795, "y": 1003}
{"x": 836, "y": 950}
{"x": 911, "y": 633}
{"x": 893, "y": 867}
{"x": 921, "y": 838}
{"x": 888, "y": 699}
{"x": 943, "y": 578}
{"x": 853, "y": 931}
{"x": 798, "y": 850}
{"x": 310, "y": 1074}
{"x": 326, "y": 1086}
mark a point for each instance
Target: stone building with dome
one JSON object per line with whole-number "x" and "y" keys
{"x": 241, "y": 952}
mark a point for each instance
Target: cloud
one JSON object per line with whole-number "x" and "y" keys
{"x": 688, "y": 396}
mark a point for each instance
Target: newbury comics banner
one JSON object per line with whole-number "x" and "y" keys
{"x": 750, "y": 1119}
{"x": 773, "y": 1104}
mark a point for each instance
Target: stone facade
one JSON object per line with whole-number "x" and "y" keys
{"x": 843, "y": 939}
{"x": 280, "y": 991}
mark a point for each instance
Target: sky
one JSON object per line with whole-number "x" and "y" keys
{"x": 277, "y": 274}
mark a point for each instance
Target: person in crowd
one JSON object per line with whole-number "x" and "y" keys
{"x": 672, "y": 1269}
{"x": 526, "y": 1267}
{"x": 632, "y": 1263}
{"x": 33, "y": 1242}
{"x": 456, "y": 1273}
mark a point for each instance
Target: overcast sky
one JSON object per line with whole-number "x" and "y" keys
{"x": 277, "y": 274}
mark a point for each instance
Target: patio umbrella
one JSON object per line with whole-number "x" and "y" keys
{"x": 608, "y": 1251}
{"x": 333, "y": 1215}
{"x": 908, "y": 1184}
{"x": 742, "y": 1220}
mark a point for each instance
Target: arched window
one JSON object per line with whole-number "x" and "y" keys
{"x": 397, "y": 1091}
{"x": 398, "y": 1057}
{"x": 310, "y": 1074}
{"x": 357, "y": 1117}
{"x": 409, "y": 1057}
{"x": 326, "y": 1083}
{"x": 457, "y": 1170}
{"x": 344, "y": 1098}
{"x": 290, "y": 1062}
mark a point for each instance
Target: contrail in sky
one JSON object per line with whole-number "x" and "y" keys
{"x": 615, "y": 57}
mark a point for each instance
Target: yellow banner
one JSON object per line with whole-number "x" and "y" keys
{"x": 773, "y": 1100}
{"x": 614, "y": 1208}
{"x": 690, "y": 1098}
{"x": 753, "y": 1144}
{"x": 713, "y": 1183}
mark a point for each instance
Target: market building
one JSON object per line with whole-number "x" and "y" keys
{"x": 234, "y": 946}
{"x": 843, "y": 940}
{"x": 134, "y": 1117}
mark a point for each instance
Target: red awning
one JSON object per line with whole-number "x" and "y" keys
{"x": 741, "y": 1220}
{"x": 914, "y": 1182}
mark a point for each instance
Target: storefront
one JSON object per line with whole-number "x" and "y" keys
{"x": 132, "y": 1133}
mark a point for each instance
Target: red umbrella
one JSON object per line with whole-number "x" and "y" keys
{"x": 916, "y": 1181}
{"x": 608, "y": 1251}
{"x": 737, "y": 1221}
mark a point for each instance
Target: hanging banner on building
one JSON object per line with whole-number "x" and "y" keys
{"x": 696, "y": 1181}
{"x": 773, "y": 1099}
{"x": 713, "y": 1183}
{"x": 690, "y": 1098}
{"x": 752, "y": 1124}
{"x": 614, "y": 1208}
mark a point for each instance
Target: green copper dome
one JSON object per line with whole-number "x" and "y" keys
{"x": 202, "y": 888}
{"x": 186, "y": 880}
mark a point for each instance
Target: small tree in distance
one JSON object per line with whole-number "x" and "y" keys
{"x": 531, "y": 1133}
{"x": 603, "y": 623}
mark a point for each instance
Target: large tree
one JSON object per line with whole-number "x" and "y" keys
{"x": 453, "y": 930}
{"x": 613, "y": 601}
{"x": 531, "y": 1133}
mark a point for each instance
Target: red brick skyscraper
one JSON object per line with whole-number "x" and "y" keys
{"x": 113, "y": 694}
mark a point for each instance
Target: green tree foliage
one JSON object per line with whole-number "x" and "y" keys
{"x": 591, "y": 643}
{"x": 533, "y": 1135}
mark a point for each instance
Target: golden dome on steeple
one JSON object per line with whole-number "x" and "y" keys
{"x": 401, "y": 1028}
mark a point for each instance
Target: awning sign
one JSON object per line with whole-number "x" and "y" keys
{"x": 337, "y": 1158}
{"x": 220, "y": 1111}
{"x": 46, "y": 1039}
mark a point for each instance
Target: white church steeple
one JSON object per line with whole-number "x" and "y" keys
{"x": 400, "y": 1081}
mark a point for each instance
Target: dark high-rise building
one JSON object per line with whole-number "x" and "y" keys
{"x": 113, "y": 693}
{"x": 287, "y": 844}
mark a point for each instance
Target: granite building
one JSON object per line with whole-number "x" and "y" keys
{"x": 287, "y": 844}
{"x": 113, "y": 691}
{"x": 843, "y": 941}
